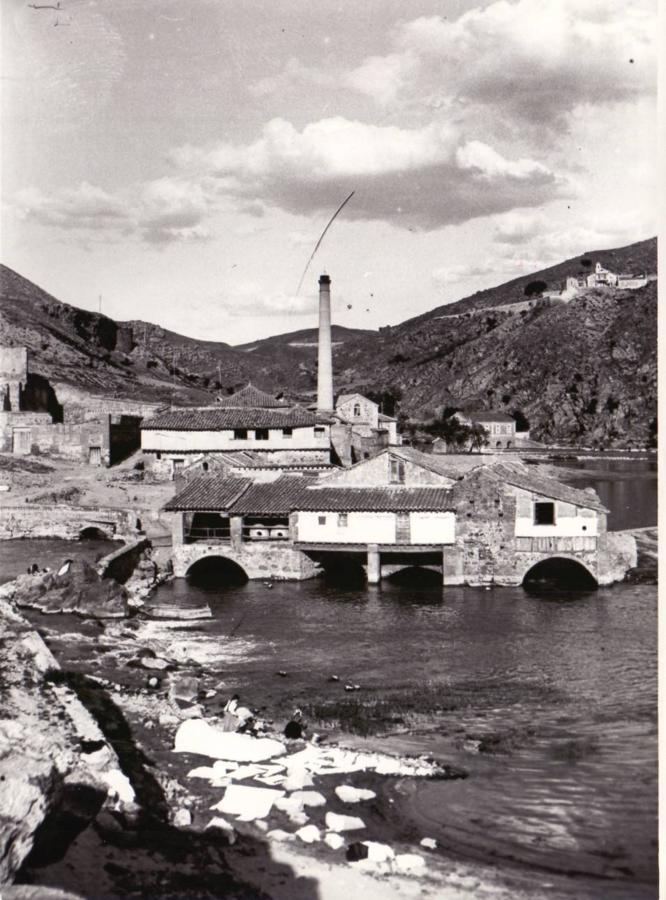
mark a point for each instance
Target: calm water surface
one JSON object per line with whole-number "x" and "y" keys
{"x": 16, "y": 556}
{"x": 628, "y": 488}
{"x": 565, "y": 687}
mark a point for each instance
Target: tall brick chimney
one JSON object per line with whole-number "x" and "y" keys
{"x": 325, "y": 360}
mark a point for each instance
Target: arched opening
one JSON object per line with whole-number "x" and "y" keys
{"x": 416, "y": 578}
{"x": 557, "y": 574}
{"x": 92, "y": 534}
{"x": 215, "y": 572}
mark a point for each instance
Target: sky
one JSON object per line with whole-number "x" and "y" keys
{"x": 180, "y": 158}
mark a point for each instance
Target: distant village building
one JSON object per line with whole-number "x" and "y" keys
{"x": 501, "y": 427}
{"x": 601, "y": 276}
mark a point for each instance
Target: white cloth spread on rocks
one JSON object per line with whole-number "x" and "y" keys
{"x": 198, "y": 736}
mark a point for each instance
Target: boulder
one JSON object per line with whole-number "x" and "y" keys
{"x": 79, "y": 589}
{"x": 183, "y": 688}
{"x": 429, "y": 843}
{"x": 356, "y": 851}
{"x": 182, "y": 818}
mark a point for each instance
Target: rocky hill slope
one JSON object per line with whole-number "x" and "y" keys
{"x": 584, "y": 372}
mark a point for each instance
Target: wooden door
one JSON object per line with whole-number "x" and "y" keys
{"x": 95, "y": 456}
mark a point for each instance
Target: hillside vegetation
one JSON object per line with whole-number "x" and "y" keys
{"x": 584, "y": 372}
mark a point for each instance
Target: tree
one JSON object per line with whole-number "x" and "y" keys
{"x": 458, "y": 435}
{"x": 535, "y": 287}
{"x": 478, "y": 438}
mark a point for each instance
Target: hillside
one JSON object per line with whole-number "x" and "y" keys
{"x": 144, "y": 361}
{"x": 582, "y": 372}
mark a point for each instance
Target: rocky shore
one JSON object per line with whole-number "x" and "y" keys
{"x": 128, "y": 786}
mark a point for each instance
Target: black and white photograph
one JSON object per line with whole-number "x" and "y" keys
{"x": 329, "y": 449}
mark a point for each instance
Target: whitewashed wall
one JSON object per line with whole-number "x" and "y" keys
{"x": 362, "y": 528}
{"x": 570, "y": 520}
{"x": 375, "y": 528}
{"x": 188, "y": 441}
{"x": 432, "y": 527}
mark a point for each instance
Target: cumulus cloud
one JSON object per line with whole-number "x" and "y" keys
{"x": 518, "y": 226}
{"x": 424, "y": 177}
{"x": 161, "y": 211}
{"x": 249, "y": 299}
{"x": 536, "y": 58}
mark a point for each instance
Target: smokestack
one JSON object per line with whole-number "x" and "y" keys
{"x": 325, "y": 362}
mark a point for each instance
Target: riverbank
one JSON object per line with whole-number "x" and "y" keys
{"x": 158, "y": 842}
{"x": 165, "y": 855}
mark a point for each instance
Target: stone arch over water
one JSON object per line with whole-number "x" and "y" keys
{"x": 95, "y": 533}
{"x": 556, "y": 572}
{"x": 216, "y": 571}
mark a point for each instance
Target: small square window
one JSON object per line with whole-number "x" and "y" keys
{"x": 287, "y": 432}
{"x": 240, "y": 434}
{"x": 342, "y": 520}
{"x": 261, "y": 434}
{"x": 321, "y": 520}
{"x": 319, "y": 430}
{"x": 544, "y": 513}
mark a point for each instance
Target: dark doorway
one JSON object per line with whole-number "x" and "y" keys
{"x": 92, "y": 534}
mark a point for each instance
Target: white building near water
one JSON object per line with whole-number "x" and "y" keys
{"x": 249, "y": 420}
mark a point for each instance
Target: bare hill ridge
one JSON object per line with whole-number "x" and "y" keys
{"x": 584, "y": 372}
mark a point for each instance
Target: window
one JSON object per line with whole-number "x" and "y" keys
{"x": 261, "y": 434}
{"x": 240, "y": 434}
{"x": 544, "y": 513}
{"x": 319, "y": 430}
{"x": 342, "y": 520}
{"x": 321, "y": 520}
{"x": 357, "y": 410}
{"x": 205, "y": 467}
{"x": 397, "y": 474}
{"x": 287, "y": 432}
{"x": 158, "y": 455}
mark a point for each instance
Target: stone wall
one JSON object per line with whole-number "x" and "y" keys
{"x": 120, "y": 564}
{"x": 265, "y": 559}
{"x": 56, "y": 767}
{"x": 33, "y": 521}
{"x": 13, "y": 376}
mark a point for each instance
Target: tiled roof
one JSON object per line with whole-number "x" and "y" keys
{"x": 384, "y": 418}
{"x": 212, "y": 418}
{"x": 482, "y": 415}
{"x": 448, "y": 465}
{"x": 273, "y": 498}
{"x": 546, "y": 487}
{"x": 379, "y": 499}
{"x": 250, "y": 396}
{"x": 208, "y": 494}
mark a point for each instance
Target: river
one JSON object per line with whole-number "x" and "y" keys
{"x": 549, "y": 703}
